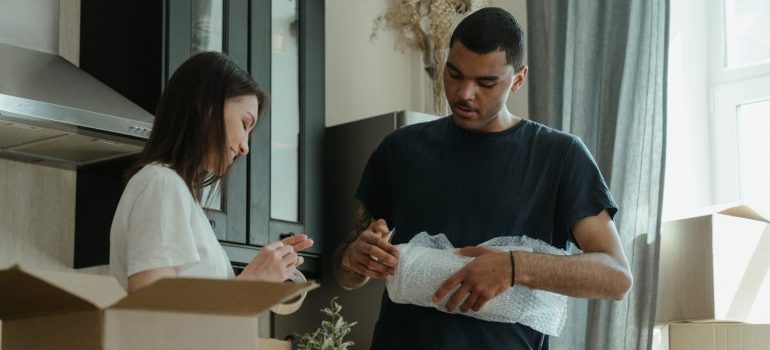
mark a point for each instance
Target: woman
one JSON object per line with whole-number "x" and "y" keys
{"x": 203, "y": 122}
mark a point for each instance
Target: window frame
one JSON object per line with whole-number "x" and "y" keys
{"x": 262, "y": 227}
{"x": 730, "y": 87}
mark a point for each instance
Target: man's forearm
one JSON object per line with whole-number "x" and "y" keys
{"x": 345, "y": 276}
{"x": 587, "y": 275}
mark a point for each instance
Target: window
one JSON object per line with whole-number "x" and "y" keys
{"x": 741, "y": 100}
{"x": 718, "y": 106}
{"x": 753, "y": 121}
{"x": 746, "y": 27}
{"x": 285, "y": 126}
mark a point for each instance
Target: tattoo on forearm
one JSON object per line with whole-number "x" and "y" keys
{"x": 346, "y": 277}
{"x": 362, "y": 220}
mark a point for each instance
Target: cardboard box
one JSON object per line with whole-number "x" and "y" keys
{"x": 715, "y": 267}
{"x": 711, "y": 336}
{"x": 47, "y": 310}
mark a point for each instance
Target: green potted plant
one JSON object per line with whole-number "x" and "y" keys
{"x": 331, "y": 334}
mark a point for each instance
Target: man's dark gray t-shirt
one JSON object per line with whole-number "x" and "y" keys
{"x": 471, "y": 186}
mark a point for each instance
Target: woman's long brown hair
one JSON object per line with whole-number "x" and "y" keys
{"x": 189, "y": 123}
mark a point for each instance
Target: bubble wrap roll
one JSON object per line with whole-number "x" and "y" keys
{"x": 427, "y": 261}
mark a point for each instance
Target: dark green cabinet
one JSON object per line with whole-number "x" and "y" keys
{"x": 135, "y": 46}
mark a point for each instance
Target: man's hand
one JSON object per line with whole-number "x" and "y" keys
{"x": 482, "y": 279}
{"x": 370, "y": 254}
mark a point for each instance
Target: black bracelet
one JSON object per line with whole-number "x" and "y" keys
{"x": 513, "y": 270}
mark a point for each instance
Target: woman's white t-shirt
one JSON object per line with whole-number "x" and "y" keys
{"x": 158, "y": 223}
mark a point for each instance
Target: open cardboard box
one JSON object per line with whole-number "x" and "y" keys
{"x": 711, "y": 336}
{"x": 56, "y": 310}
{"x": 715, "y": 266}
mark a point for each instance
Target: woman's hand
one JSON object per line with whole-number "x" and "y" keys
{"x": 277, "y": 261}
{"x": 299, "y": 242}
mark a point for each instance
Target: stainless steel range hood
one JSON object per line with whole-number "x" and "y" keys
{"x": 56, "y": 114}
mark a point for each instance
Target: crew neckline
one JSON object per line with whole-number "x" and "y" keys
{"x": 485, "y": 135}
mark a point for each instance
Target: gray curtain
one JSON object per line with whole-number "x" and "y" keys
{"x": 598, "y": 70}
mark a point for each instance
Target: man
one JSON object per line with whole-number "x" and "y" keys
{"x": 481, "y": 173}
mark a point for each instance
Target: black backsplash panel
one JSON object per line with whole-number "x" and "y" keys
{"x": 99, "y": 187}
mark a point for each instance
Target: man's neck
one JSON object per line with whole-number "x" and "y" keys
{"x": 504, "y": 121}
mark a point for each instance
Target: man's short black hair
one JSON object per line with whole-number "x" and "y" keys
{"x": 490, "y": 29}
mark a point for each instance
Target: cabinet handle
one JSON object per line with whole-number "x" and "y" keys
{"x": 285, "y": 235}
{"x": 213, "y": 223}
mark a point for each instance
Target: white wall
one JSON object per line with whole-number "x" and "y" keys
{"x": 518, "y": 103}
{"x": 33, "y": 24}
{"x": 688, "y": 164}
{"x": 365, "y": 78}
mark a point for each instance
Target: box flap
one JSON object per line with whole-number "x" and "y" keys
{"x": 743, "y": 211}
{"x": 732, "y": 209}
{"x": 25, "y": 295}
{"x": 210, "y": 296}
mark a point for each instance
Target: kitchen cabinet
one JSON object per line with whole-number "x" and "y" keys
{"x": 135, "y": 46}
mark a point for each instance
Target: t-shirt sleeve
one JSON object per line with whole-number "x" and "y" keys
{"x": 159, "y": 232}
{"x": 582, "y": 190}
{"x": 374, "y": 189}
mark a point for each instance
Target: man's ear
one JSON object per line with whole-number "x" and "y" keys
{"x": 519, "y": 78}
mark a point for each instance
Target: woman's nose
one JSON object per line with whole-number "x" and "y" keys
{"x": 243, "y": 146}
